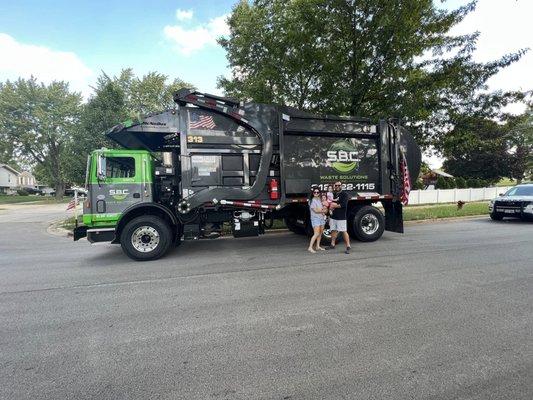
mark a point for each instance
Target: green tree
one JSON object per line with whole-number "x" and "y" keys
{"x": 370, "y": 57}
{"x": 521, "y": 146}
{"x": 39, "y": 121}
{"x": 424, "y": 168}
{"x": 418, "y": 184}
{"x": 441, "y": 183}
{"x": 477, "y": 148}
{"x": 460, "y": 182}
{"x": 452, "y": 184}
{"x": 116, "y": 99}
{"x": 7, "y": 152}
{"x": 471, "y": 183}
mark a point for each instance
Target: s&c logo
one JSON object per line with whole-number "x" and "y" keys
{"x": 343, "y": 156}
{"x": 119, "y": 194}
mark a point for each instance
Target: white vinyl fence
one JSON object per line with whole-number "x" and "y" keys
{"x": 454, "y": 195}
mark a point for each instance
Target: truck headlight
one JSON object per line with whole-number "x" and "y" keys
{"x": 529, "y": 208}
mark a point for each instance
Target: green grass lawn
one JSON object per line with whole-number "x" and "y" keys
{"x": 416, "y": 213}
{"x": 67, "y": 224}
{"x": 30, "y": 199}
{"x": 506, "y": 182}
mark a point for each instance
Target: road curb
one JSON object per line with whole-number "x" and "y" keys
{"x": 450, "y": 219}
{"x": 56, "y": 230}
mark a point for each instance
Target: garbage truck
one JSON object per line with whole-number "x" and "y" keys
{"x": 214, "y": 164}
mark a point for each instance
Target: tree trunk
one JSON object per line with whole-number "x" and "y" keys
{"x": 60, "y": 190}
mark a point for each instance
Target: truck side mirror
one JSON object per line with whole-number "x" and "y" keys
{"x": 501, "y": 194}
{"x": 101, "y": 167}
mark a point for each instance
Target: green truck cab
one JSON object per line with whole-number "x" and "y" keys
{"x": 120, "y": 187}
{"x": 183, "y": 173}
{"x": 117, "y": 181}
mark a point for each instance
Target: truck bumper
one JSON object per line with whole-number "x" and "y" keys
{"x": 97, "y": 235}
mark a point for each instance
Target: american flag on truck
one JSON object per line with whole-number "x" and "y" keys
{"x": 201, "y": 121}
{"x": 406, "y": 180}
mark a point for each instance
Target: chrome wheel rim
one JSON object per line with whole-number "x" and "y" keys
{"x": 369, "y": 224}
{"x": 326, "y": 234}
{"x": 145, "y": 239}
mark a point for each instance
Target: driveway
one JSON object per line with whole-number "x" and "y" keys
{"x": 443, "y": 311}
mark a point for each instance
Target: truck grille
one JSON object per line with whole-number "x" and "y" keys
{"x": 510, "y": 205}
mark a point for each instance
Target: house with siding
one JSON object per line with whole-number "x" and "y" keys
{"x": 27, "y": 180}
{"x": 9, "y": 179}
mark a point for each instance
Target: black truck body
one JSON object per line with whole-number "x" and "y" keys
{"x": 219, "y": 161}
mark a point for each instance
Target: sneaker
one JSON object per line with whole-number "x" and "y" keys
{"x": 347, "y": 251}
{"x": 330, "y": 247}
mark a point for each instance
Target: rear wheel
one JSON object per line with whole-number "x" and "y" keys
{"x": 326, "y": 233}
{"x": 290, "y": 223}
{"x": 496, "y": 216}
{"x": 147, "y": 237}
{"x": 367, "y": 224}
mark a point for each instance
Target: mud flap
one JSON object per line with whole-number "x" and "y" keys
{"x": 393, "y": 216}
{"x": 80, "y": 232}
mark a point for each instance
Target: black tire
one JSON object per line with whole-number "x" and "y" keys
{"x": 367, "y": 224}
{"x": 495, "y": 216}
{"x": 326, "y": 234}
{"x": 290, "y": 223}
{"x": 155, "y": 227}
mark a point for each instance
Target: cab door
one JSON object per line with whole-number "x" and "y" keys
{"x": 119, "y": 183}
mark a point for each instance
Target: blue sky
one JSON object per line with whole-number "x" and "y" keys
{"x": 110, "y": 35}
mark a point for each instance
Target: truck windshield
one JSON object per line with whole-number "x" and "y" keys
{"x": 520, "y": 191}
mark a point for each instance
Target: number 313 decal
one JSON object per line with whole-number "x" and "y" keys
{"x": 195, "y": 139}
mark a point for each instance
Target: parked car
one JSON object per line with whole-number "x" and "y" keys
{"x": 70, "y": 191}
{"x": 31, "y": 190}
{"x": 517, "y": 202}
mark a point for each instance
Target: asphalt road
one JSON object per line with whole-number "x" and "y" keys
{"x": 442, "y": 312}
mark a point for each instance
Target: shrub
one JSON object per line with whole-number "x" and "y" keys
{"x": 477, "y": 183}
{"x": 471, "y": 183}
{"x": 451, "y": 183}
{"x": 418, "y": 185}
{"x": 441, "y": 183}
{"x": 460, "y": 182}
{"x": 22, "y": 192}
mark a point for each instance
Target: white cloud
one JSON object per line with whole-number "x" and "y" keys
{"x": 218, "y": 26}
{"x": 504, "y": 27}
{"x": 24, "y": 60}
{"x": 183, "y": 15}
{"x": 189, "y": 40}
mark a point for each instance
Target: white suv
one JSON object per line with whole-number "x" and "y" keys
{"x": 517, "y": 202}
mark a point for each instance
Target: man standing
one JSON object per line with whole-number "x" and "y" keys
{"x": 337, "y": 222}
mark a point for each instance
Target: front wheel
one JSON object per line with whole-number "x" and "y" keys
{"x": 367, "y": 224}
{"x": 145, "y": 238}
{"x": 495, "y": 216}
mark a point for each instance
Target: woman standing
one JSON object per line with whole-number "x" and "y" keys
{"x": 317, "y": 220}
